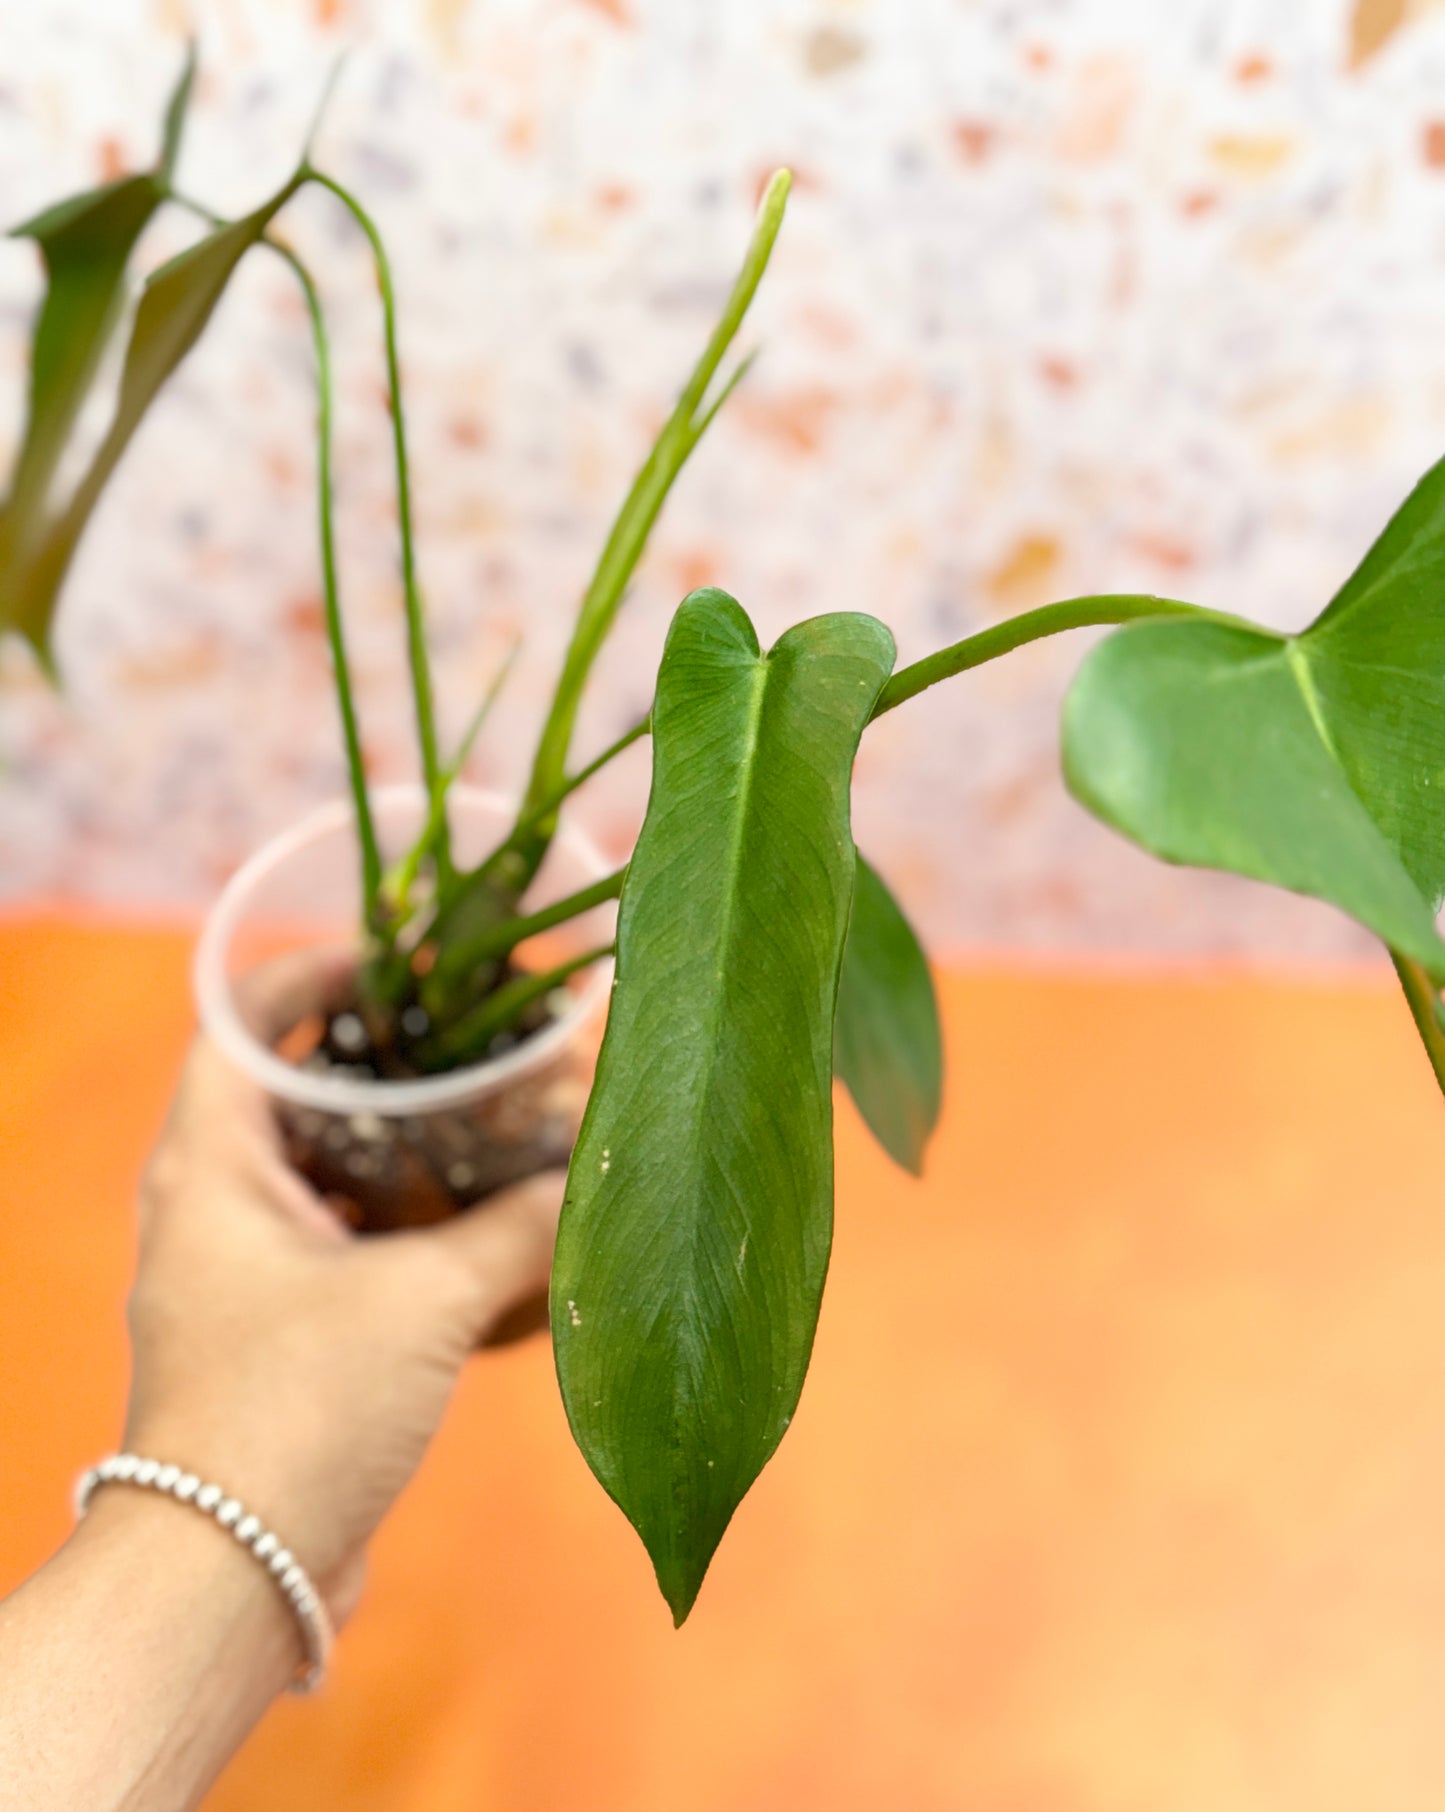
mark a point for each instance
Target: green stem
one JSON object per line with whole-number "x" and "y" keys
{"x": 415, "y": 624}
{"x": 548, "y": 806}
{"x": 400, "y": 884}
{"x": 613, "y": 749}
{"x": 499, "y": 940}
{"x": 202, "y": 212}
{"x": 355, "y": 763}
{"x": 1050, "y": 619}
{"x": 471, "y": 1035}
{"x": 1424, "y": 1005}
{"x": 505, "y": 857}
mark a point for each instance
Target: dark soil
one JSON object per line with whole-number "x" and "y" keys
{"x": 384, "y": 1172}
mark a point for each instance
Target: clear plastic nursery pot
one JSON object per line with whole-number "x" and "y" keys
{"x": 406, "y": 1152}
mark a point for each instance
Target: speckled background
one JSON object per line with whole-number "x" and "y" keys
{"x": 1074, "y": 295}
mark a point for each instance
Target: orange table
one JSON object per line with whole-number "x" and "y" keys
{"x": 1119, "y": 1481}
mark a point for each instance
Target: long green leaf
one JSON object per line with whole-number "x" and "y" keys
{"x": 887, "y": 1046}
{"x": 698, "y": 1216}
{"x": 175, "y": 306}
{"x": 477, "y": 900}
{"x": 86, "y": 243}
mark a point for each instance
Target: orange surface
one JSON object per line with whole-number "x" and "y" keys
{"x": 1119, "y": 1481}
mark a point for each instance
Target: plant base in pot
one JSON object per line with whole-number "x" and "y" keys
{"x": 392, "y": 1149}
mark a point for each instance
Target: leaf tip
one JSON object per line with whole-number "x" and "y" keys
{"x": 679, "y": 1579}
{"x": 774, "y": 201}
{"x": 328, "y": 88}
{"x": 40, "y": 646}
{"x": 176, "y": 109}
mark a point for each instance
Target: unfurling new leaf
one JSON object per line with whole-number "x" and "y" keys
{"x": 698, "y": 1216}
{"x": 692, "y": 415}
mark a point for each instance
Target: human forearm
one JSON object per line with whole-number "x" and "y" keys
{"x": 276, "y": 1355}
{"x": 133, "y": 1664}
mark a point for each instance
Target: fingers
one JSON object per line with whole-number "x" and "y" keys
{"x": 222, "y": 1124}
{"x": 220, "y": 1155}
{"x": 505, "y": 1245}
{"x": 271, "y": 999}
{"x": 215, "y": 1095}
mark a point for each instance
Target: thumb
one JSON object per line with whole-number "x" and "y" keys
{"x": 270, "y": 1001}
{"x": 506, "y": 1246}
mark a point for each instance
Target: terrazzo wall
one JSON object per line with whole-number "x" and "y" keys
{"x": 1073, "y": 295}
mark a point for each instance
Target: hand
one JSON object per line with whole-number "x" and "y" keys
{"x": 304, "y": 1369}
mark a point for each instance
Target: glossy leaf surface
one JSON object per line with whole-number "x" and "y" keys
{"x": 1376, "y": 662}
{"x": 698, "y": 1217}
{"x": 888, "y": 1049}
{"x": 1199, "y": 741}
{"x": 1316, "y": 761}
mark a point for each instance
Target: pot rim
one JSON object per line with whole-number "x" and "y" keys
{"x": 214, "y": 986}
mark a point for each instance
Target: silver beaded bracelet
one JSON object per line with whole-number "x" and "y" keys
{"x": 232, "y": 1515}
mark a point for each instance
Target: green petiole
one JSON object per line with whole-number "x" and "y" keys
{"x": 335, "y": 635}
{"x": 1032, "y": 626}
{"x": 415, "y": 622}
{"x": 457, "y": 960}
{"x": 403, "y": 878}
{"x": 547, "y": 807}
{"x": 1425, "y": 1009}
{"x": 471, "y": 1035}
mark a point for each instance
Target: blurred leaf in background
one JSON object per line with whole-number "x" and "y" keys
{"x": 86, "y": 244}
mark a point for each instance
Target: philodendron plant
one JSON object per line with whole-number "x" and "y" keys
{"x": 758, "y": 956}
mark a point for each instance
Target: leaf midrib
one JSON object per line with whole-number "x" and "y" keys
{"x": 1297, "y": 656}
{"x": 696, "y": 1136}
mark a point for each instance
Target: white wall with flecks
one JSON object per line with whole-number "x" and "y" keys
{"x": 1074, "y": 295}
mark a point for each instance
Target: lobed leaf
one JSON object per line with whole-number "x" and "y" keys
{"x": 1199, "y": 741}
{"x": 1316, "y": 762}
{"x": 887, "y": 1046}
{"x": 1376, "y": 662}
{"x": 698, "y": 1215}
